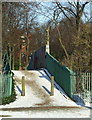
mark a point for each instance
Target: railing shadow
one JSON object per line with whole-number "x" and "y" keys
{"x": 47, "y": 78}
{"x": 80, "y": 101}
{"x": 44, "y": 76}
{"x": 46, "y": 90}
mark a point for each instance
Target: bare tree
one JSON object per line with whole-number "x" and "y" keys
{"x": 18, "y": 19}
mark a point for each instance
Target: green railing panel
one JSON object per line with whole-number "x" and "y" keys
{"x": 63, "y": 76}
{"x": 0, "y": 89}
{"x": 6, "y": 81}
{"x": 11, "y": 80}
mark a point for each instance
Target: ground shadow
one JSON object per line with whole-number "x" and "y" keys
{"x": 80, "y": 101}
{"x": 46, "y": 90}
{"x": 46, "y": 76}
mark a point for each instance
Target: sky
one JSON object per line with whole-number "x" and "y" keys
{"x": 45, "y": 17}
{"x": 42, "y": 17}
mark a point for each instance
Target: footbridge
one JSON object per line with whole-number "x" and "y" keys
{"x": 64, "y": 77}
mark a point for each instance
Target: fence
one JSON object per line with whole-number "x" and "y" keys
{"x": 63, "y": 76}
{"x": 6, "y": 87}
{"x": 84, "y": 86}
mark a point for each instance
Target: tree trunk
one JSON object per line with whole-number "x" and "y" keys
{"x": 61, "y": 39}
{"x": 77, "y": 16}
{"x": 48, "y": 39}
{"x": 10, "y": 55}
{"x": 13, "y": 57}
{"x": 27, "y": 51}
{"x": 20, "y": 60}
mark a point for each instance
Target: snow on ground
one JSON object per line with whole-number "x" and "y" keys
{"x": 37, "y": 79}
{"x": 37, "y": 94}
{"x": 48, "y": 113}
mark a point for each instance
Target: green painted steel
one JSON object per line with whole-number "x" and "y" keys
{"x": 6, "y": 79}
{"x": 0, "y": 89}
{"x": 6, "y": 85}
{"x": 63, "y": 75}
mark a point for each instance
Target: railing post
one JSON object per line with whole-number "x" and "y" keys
{"x": 52, "y": 86}
{"x": 23, "y": 86}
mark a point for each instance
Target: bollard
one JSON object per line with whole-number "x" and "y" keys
{"x": 52, "y": 86}
{"x": 23, "y": 86}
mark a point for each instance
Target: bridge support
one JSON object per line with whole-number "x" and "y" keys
{"x": 23, "y": 86}
{"x": 52, "y": 86}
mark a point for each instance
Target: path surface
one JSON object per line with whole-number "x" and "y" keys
{"x": 37, "y": 101}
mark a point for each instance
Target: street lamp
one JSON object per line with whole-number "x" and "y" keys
{"x": 22, "y": 37}
{"x": 25, "y": 43}
{"x": 20, "y": 56}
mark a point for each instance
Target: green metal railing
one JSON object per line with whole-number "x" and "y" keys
{"x": 6, "y": 81}
{"x": 63, "y": 75}
{"x": 6, "y": 88}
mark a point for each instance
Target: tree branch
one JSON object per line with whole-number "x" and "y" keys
{"x": 60, "y": 7}
{"x": 83, "y": 6}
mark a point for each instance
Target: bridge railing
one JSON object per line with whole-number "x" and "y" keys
{"x": 6, "y": 88}
{"x": 63, "y": 76}
{"x": 84, "y": 86}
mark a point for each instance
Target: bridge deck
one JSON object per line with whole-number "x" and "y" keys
{"x": 37, "y": 97}
{"x": 38, "y": 90}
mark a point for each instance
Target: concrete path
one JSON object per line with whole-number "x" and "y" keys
{"x": 37, "y": 101}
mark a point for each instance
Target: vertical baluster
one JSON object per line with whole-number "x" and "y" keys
{"x": 81, "y": 84}
{"x": 88, "y": 96}
{"x": 83, "y": 80}
{"x": 86, "y": 87}
{"x": 89, "y": 86}
{"x": 84, "y": 84}
{"x": 87, "y": 80}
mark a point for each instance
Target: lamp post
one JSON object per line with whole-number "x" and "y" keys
{"x": 20, "y": 55}
{"x": 22, "y": 46}
{"x": 25, "y": 43}
{"x": 27, "y": 50}
{"x": 27, "y": 46}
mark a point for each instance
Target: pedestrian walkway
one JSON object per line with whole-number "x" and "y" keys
{"x": 37, "y": 101}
